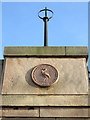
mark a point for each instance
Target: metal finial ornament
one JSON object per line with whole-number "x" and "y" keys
{"x": 45, "y": 19}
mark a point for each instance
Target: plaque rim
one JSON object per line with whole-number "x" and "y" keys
{"x": 32, "y": 75}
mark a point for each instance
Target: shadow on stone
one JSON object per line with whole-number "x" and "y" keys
{"x": 29, "y": 79}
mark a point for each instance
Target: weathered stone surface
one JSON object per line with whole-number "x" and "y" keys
{"x": 49, "y": 100}
{"x": 89, "y": 111}
{"x": 89, "y": 100}
{"x": 46, "y": 51}
{"x": 0, "y": 111}
{"x": 63, "y": 112}
{"x": 20, "y": 113}
{"x": 0, "y": 69}
{"x": 45, "y": 118}
{"x": 1, "y": 63}
{"x": 73, "y": 77}
{"x": 76, "y": 51}
{"x": 28, "y": 118}
{"x": 34, "y": 51}
{"x": 72, "y": 119}
{"x": 89, "y": 95}
{"x": 0, "y": 101}
{"x": 0, "y": 83}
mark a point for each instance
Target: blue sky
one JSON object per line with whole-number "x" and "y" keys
{"x": 22, "y": 27}
{"x": 1, "y": 53}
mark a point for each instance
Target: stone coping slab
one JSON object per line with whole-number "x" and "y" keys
{"x": 45, "y": 51}
{"x": 46, "y": 100}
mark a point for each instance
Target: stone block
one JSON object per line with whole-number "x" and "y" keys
{"x": 34, "y": 51}
{"x": 63, "y": 112}
{"x": 47, "y": 100}
{"x": 73, "y": 76}
{"x": 44, "y": 119}
{"x": 20, "y": 112}
{"x": 76, "y": 51}
{"x": 72, "y": 119}
{"x": 28, "y": 118}
{"x": 46, "y": 51}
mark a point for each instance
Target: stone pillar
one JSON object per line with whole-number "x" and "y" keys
{"x": 1, "y": 74}
{"x": 67, "y": 99}
{"x": 1, "y": 65}
{"x": 1, "y": 77}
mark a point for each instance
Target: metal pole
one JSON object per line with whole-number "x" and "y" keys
{"x": 45, "y": 19}
{"x": 45, "y": 32}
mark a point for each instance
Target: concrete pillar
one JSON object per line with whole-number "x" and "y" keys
{"x": 68, "y": 98}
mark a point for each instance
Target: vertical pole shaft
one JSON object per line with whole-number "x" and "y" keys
{"x": 45, "y": 11}
{"x": 45, "y": 32}
{"x": 45, "y": 18}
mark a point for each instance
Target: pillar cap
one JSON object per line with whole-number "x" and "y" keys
{"x": 46, "y": 51}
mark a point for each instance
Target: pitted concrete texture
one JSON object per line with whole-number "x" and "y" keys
{"x": 73, "y": 77}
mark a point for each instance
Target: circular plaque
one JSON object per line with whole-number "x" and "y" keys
{"x": 44, "y": 75}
